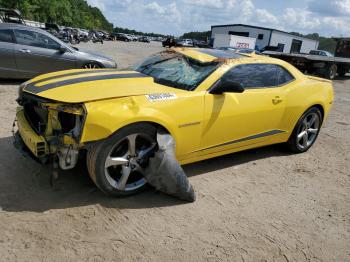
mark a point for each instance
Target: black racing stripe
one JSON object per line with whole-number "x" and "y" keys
{"x": 219, "y": 53}
{"x": 35, "y": 90}
{"x": 73, "y": 74}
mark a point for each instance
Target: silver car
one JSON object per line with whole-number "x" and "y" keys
{"x": 26, "y": 52}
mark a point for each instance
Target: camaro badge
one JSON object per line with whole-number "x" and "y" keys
{"x": 161, "y": 97}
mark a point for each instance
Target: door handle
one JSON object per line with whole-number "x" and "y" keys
{"x": 25, "y": 51}
{"x": 276, "y": 100}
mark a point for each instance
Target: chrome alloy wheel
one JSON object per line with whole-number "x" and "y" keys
{"x": 123, "y": 166}
{"x": 308, "y": 130}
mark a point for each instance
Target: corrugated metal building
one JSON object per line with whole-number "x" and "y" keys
{"x": 283, "y": 41}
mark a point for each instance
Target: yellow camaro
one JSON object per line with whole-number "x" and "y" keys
{"x": 212, "y": 102}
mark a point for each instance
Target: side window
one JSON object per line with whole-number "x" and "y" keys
{"x": 6, "y": 36}
{"x": 31, "y": 38}
{"x": 284, "y": 76}
{"x": 254, "y": 76}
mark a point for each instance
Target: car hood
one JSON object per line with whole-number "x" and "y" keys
{"x": 79, "y": 86}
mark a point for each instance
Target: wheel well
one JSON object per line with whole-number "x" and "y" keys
{"x": 156, "y": 125}
{"x": 93, "y": 62}
{"x": 320, "y": 107}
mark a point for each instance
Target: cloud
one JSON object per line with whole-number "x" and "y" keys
{"x": 330, "y": 8}
{"x": 300, "y": 18}
{"x": 265, "y": 17}
{"x": 178, "y": 16}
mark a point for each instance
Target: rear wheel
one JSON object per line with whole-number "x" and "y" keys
{"x": 331, "y": 71}
{"x": 116, "y": 165}
{"x": 306, "y": 131}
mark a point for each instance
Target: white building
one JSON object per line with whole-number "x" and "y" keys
{"x": 278, "y": 40}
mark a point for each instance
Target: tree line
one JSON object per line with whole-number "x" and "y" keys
{"x": 74, "y": 13}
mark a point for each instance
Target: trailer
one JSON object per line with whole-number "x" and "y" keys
{"x": 324, "y": 66}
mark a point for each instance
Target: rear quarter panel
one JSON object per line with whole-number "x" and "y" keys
{"x": 302, "y": 95}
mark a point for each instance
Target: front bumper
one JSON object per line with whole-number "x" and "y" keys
{"x": 62, "y": 149}
{"x": 34, "y": 142}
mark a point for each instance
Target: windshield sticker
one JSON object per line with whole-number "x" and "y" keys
{"x": 161, "y": 97}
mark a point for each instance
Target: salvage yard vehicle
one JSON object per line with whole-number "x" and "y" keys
{"x": 212, "y": 102}
{"x": 321, "y": 64}
{"x": 11, "y": 16}
{"x": 121, "y": 37}
{"x": 27, "y": 52}
{"x": 143, "y": 39}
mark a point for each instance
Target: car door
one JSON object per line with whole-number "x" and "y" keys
{"x": 8, "y": 68}
{"x": 240, "y": 119}
{"x": 37, "y": 53}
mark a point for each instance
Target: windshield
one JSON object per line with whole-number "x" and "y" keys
{"x": 176, "y": 70}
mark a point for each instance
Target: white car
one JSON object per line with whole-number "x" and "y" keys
{"x": 186, "y": 42}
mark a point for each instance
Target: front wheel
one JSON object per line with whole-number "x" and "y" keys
{"x": 92, "y": 65}
{"x": 306, "y": 131}
{"x": 117, "y": 164}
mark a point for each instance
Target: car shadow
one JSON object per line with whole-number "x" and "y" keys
{"x": 343, "y": 78}
{"x": 25, "y": 183}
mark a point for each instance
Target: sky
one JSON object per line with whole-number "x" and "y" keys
{"x": 175, "y": 17}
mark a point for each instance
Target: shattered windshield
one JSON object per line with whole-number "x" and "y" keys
{"x": 176, "y": 70}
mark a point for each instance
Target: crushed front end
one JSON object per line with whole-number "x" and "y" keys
{"x": 50, "y": 130}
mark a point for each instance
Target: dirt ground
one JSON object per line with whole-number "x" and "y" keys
{"x": 258, "y": 205}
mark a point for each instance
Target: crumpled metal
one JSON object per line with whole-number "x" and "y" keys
{"x": 165, "y": 173}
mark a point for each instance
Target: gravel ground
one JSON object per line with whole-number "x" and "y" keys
{"x": 258, "y": 205}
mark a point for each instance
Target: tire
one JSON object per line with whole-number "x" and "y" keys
{"x": 115, "y": 167}
{"x": 331, "y": 71}
{"x": 92, "y": 65}
{"x": 306, "y": 131}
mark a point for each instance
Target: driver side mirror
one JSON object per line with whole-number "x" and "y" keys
{"x": 62, "y": 49}
{"x": 226, "y": 85}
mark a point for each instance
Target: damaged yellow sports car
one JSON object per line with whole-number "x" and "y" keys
{"x": 212, "y": 102}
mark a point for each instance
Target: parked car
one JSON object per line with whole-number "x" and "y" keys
{"x": 144, "y": 39}
{"x": 212, "y": 102}
{"x": 169, "y": 42}
{"x": 185, "y": 43}
{"x": 321, "y": 53}
{"x": 132, "y": 37}
{"x": 27, "y": 52}
{"x": 200, "y": 43}
{"x": 121, "y": 37}
{"x": 11, "y": 16}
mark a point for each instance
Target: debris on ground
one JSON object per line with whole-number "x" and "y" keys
{"x": 165, "y": 173}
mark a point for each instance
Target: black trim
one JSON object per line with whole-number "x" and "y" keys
{"x": 269, "y": 133}
{"x": 33, "y": 89}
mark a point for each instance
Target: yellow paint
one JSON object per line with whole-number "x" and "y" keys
{"x": 29, "y": 137}
{"x": 219, "y": 119}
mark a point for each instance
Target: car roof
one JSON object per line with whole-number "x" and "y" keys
{"x": 207, "y": 55}
{"x": 20, "y": 26}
